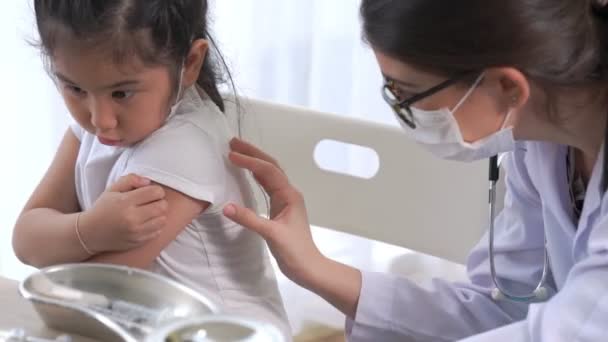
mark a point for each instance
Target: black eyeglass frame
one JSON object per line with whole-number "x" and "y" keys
{"x": 403, "y": 108}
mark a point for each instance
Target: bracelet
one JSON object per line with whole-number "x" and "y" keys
{"x": 77, "y": 228}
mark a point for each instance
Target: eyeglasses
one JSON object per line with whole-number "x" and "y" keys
{"x": 403, "y": 107}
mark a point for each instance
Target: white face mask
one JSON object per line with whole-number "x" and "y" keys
{"x": 438, "y": 132}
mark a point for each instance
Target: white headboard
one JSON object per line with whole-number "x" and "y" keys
{"x": 415, "y": 200}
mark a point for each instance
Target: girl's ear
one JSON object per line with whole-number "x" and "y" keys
{"x": 194, "y": 62}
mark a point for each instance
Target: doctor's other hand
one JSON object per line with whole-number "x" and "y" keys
{"x": 287, "y": 231}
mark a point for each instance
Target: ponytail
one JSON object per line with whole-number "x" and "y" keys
{"x": 600, "y": 11}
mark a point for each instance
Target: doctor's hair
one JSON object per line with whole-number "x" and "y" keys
{"x": 558, "y": 44}
{"x": 159, "y": 32}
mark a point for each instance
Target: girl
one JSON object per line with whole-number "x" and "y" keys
{"x": 138, "y": 80}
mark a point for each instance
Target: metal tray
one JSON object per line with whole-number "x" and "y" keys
{"x": 218, "y": 328}
{"x": 117, "y": 283}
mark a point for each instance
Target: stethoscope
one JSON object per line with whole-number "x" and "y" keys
{"x": 498, "y": 293}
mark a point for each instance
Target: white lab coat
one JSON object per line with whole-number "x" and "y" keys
{"x": 537, "y": 203}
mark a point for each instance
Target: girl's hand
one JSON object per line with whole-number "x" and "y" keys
{"x": 127, "y": 215}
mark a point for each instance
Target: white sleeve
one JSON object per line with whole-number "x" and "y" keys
{"x": 77, "y": 130}
{"x": 392, "y": 308}
{"x": 182, "y": 157}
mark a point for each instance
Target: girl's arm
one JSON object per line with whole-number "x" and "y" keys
{"x": 44, "y": 233}
{"x": 182, "y": 210}
{"x": 125, "y": 216}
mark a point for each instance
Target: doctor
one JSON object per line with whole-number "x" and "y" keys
{"x": 468, "y": 80}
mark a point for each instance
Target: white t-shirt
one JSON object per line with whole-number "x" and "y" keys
{"x": 212, "y": 254}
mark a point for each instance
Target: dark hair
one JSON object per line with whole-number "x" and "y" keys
{"x": 557, "y": 43}
{"x": 157, "y": 31}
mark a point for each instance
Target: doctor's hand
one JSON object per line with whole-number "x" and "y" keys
{"x": 287, "y": 232}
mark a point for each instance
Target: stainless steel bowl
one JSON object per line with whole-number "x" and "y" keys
{"x": 217, "y": 328}
{"x": 117, "y": 283}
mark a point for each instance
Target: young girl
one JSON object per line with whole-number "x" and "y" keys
{"x": 137, "y": 78}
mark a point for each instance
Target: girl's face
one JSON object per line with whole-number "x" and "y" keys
{"x": 120, "y": 104}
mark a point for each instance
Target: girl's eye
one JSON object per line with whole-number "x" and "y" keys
{"x": 121, "y": 95}
{"x": 75, "y": 90}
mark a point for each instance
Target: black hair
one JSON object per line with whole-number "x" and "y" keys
{"x": 157, "y": 31}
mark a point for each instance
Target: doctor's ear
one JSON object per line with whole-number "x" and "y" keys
{"x": 509, "y": 85}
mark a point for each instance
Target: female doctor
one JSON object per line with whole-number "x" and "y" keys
{"x": 468, "y": 80}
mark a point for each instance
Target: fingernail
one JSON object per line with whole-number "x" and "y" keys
{"x": 230, "y": 210}
{"x": 145, "y": 181}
